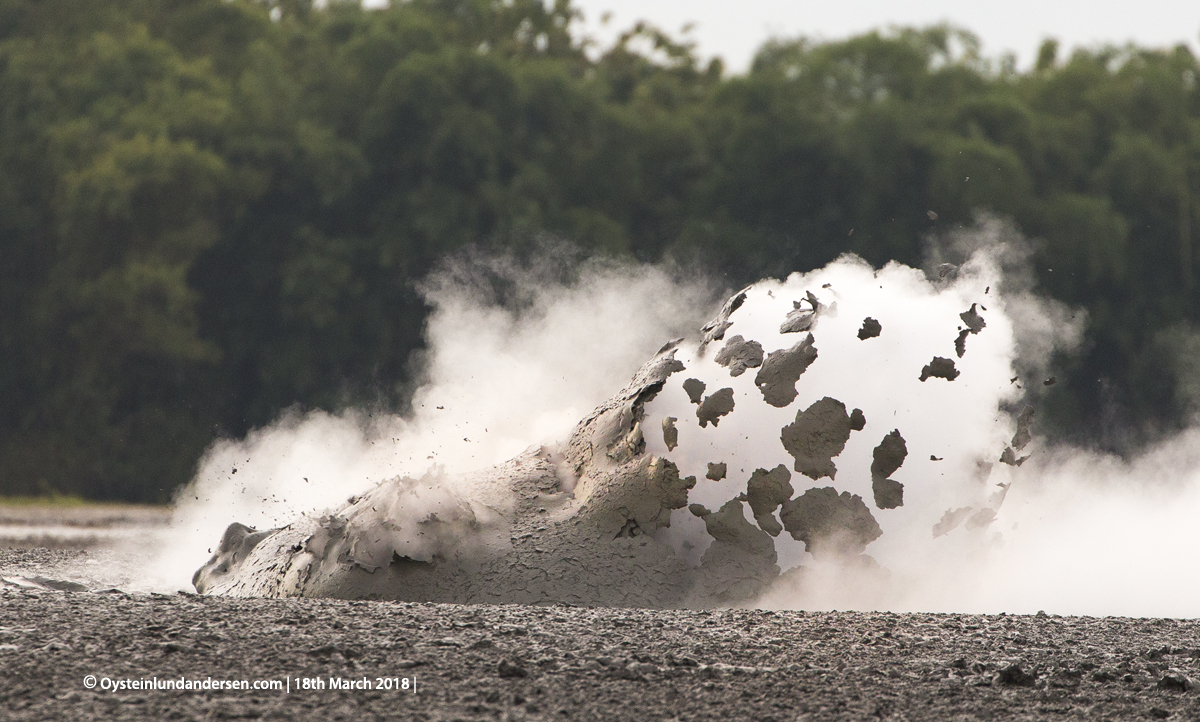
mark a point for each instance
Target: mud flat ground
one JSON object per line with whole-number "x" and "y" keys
{"x": 566, "y": 663}
{"x": 86, "y": 526}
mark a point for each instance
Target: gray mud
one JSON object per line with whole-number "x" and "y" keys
{"x": 779, "y": 373}
{"x": 765, "y": 492}
{"x": 870, "y": 329}
{"x": 670, "y": 433}
{"x": 521, "y": 662}
{"x": 831, "y": 525}
{"x": 738, "y": 354}
{"x": 887, "y": 458}
{"x": 714, "y": 407}
{"x": 942, "y": 368}
{"x": 1024, "y": 421}
{"x": 818, "y": 434}
{"x": 974, "y": 322}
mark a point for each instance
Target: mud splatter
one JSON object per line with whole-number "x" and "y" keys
{"x": 818, "y": 434}
{"x": 831, "y": 525}
{"x": 714, "y": 407}
{"x": 739, "y": 355}
{"x": 765, "y": 492}
{"x": 779, "y": 373}
{"x": 960, "y": 343}
{"x": 972, "y": 319}
{"x": 715, "y": 329}
{"x": 1024, "y": 422}
{"x": 942, "y": 368}
{"x": 886, "y": 459}
{"x": 1010, "y": 457}
{"x": 670, "y": 433}
{"x": 870, "y": 329}
{"x": 950, "y": 521}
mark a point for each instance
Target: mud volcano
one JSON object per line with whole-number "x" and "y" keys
{"x": 849, "y": 417}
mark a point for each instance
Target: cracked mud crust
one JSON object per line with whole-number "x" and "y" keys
{"x": 479, "y": 662}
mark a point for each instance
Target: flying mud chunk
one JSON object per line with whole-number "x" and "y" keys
{"x": 801, "y": 319}
{"x": 819, "y": 433}
{"x": 715, "y": 329}
{"x": 942, "y": 368}
{"x": 1010, "y": 457}
{"x": 739, "y": 355}
{"x": 831, "y": 525}
{"x": 765, "y": 492}
{"x": 950, "y": 521}
{"x": 714, "y": 407}
{"x": 695, "y": 389}
{"x": 974, "y": 323}
{"x": 870, "y": 329}
{"x": 670, "y": 433}
{"x": 858, "y": 421}
{"x": 1024, "y": 421}
{"x": 716, "y": 472}
{"x": 779, "y": 373}
{"x": 887, "y": 458}
{"x": 972, "y": 319}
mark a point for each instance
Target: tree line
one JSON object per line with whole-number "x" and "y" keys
{"x": 212, "y": 210}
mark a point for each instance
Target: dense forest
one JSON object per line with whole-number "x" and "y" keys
{"x": 213, "y": 210}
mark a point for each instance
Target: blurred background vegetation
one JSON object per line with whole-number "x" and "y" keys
{"x": 212, "y": 210}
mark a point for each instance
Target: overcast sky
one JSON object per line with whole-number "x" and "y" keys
{"x": 734, "y": 29}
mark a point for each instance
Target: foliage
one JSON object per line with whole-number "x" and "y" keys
{"x": 211, "y": 210}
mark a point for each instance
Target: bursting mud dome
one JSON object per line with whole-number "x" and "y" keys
{"x": 805, "y": 426}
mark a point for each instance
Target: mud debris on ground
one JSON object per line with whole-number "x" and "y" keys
{"x": 480, "y": 662}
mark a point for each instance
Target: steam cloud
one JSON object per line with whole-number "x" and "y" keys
{"x": 1077, "y": 532}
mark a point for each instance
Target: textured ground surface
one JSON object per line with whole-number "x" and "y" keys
{"x": 559, "y": 662}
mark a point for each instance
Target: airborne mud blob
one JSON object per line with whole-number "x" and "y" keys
{"x": 739, "y": 355}
{"x": 887, "y": 458}
{"x": 779, "y": 373}
{"x": 942, "y": 368}
{"x": 707, "y": 512}
{"x": 819, "y": 433}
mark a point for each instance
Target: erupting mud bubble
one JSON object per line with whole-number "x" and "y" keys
{"x": 616, "y": 516}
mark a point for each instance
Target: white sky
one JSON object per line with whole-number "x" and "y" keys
{"x": 735, "y": 29}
